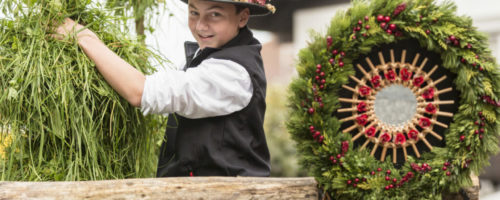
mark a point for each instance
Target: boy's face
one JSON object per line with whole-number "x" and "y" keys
{"x": 214, "y": 24}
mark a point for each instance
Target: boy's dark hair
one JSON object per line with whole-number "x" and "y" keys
{"x": 239, "y": 8}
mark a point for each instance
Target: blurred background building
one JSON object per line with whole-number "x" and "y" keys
{"x": 283, "y": 35}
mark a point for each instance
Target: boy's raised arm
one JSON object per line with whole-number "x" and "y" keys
{"x": 124, "y": 78}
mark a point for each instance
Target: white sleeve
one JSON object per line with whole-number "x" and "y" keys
{"x": 216, "y": 87}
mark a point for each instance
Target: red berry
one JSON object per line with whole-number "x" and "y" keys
{"x": 392, "y": 27}
{"x": 323, "y": 81}
{"x": 482, "y": 124}
{"x": 462, "y": 137}
{"x": 318, "y": 70}
{"x": 474, "y": 64}
{"x": 360, "y": 22}
{"x": 341, "y": 64}
{"x": 388, "y": 172}
{"x": 367, "y": 18}
{"x": 356, "y": 180}
{"x": 481, "y": 130}
{"x": 389, "y": 31}
{"x": 311, "y": 127}
{"x": 321, "y": 87}
{"x": 332, "y": 158}
{"x": 481, "y": 68}
{"x": 332, "y": 61}
{"x": 349, "y": 182}
{"x": 335, "y": 52}
{"x": 427, "y": 31}
{"x": 334, "y": 161}
{"x": 318, "y": 66}
{"x": 372, "y": 173}
{"x": 448, "y": 173}
{"x": 317, "y": 78}
{"x": 364, "y": 34}
{"x": 367, "y": 27}
{"x": 379, "y": 169}
{"x": 339, "y": 156}
{"x": 380, "y": 18}
{"x": 447, "y": 164}
{"x": 364, "y": 179}
{"x": 463, "y": 60}
{"x": 476, "y": 132}
{"x": 394, "y": 180}
{"x": 480, "y": 114}
{"x": 321, "y": 138}
{"x": 481, "y": 136}
{"x": 469, "y": 46}
{"x": 354, "y": 185}
{"x": 354, "y": 37}
{"x": 387, "y": 187}
{"x": 311, "y": 110}
{"x": 342, "y": 54}
{"x": 391, "y": 186}
{"x": 387, "y": 178}
{"x": 322, "y": 74}
{"x": 383, "y": 25}
{"x": 452, "y": 38}
{"x": 387, "y": 19}
{"x": 445, "y": 168}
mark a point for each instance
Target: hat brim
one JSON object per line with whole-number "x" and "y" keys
{"x": 255, "y": 9}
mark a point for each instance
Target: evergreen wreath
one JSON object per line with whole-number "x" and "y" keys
{"x": 331, "y": 146}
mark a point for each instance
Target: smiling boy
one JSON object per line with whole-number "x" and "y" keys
{"x": 216, "y": 102}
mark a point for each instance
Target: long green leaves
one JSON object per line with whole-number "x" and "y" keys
{"x": 59, "y": 119}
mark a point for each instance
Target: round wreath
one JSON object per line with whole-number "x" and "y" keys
{"x": 329, "y": 66}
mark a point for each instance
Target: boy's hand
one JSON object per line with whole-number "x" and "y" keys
{"x": 73, "y": 29}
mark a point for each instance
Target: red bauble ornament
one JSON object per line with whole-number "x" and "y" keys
{"x": 392, "y": 27}
{"x": 400, "y": 8}
{"x": 362, "y": 120}
{"x": 364, "y": 90}
{"x": 383, "y": 25}
{"x": 424, "y": 122}
{"x": 387, "y": 19}
{"x": 380, "y": 18}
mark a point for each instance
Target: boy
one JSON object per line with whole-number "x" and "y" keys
{"x": 218, "y": 99}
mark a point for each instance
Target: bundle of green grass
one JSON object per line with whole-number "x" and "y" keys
{"x": 59, "y": 119}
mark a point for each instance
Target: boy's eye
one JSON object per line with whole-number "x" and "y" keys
{"x": 215, "y": 14}
{"x": 193, "y": 13}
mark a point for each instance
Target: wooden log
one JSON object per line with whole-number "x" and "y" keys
{"x": 166, "y": 188}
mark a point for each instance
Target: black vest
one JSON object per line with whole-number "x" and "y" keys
{"x": 229, "y": 145}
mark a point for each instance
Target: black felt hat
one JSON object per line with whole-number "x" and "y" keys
{"x": 257, "y": 7}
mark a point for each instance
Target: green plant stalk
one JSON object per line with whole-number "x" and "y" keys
{"x": 66, "y": 122}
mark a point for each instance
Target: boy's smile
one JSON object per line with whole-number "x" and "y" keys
{"x": 214, "y": 24}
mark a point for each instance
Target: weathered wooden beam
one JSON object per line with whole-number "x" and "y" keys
{"x": 166, "y": 188}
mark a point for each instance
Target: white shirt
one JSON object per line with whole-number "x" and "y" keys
{"x": 216, "y": 87}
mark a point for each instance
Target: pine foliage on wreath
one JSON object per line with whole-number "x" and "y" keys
{"x": 326, "y": 65}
